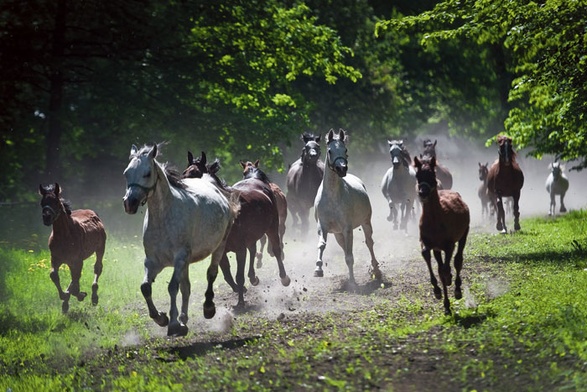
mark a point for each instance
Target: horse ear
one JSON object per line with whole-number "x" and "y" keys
{"x": 417, "y": 163}
{"x": 243, "y": 164}
{"x": 153, "y": 152}
{"x": 330, "y": 135}
{"x": 342, "y": 135}
{"x": 41, "y": 190}
{"x": 317, "y": 138}
{"x": 203, "y": 158}
{"x": 190, "y": 158}
{"x": 57, "y": 190}
{"x": 256, "y": 164}
{"x": 133, "y": 150}
{"x": 435, "y": 141}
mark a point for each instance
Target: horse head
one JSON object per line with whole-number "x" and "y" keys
{"x": 429, "y": 148}
{"x": 337, "y": 157}
{"x": 426, "y": 177}
{"x": 505, "y": 150}
{"x": 51, "y": 203}
{"x": 556, "y": 170}
{"x": 141, "y": 177}
{"x": 399, "y": 155}
{"x": 251, "y": 170}
{"x": 311, "y": 151}
{"x": 196, "y": 166}
{"x": 483, "y": 171}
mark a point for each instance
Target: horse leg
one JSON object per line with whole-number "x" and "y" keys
{"x": 375, "y": 272}
{"x": 185, "y": 289}
{"x": 445, "y": 274}
{"x": 259, "y": 254}
{"x": 241, "y": 260}
{"x": 552, "y": 209}
{"x": 563, "y": 208}
{"x": 225, "y": 267}
{"x": 322, "y": 235}
{"x": 458, "y": 262}
{"x": 252, "y": 276}
{"x": 54, "y": 275}
{"x": 150, "y": 273}
{"x": 516, "y": 211}
{"x": 500, "y": 226}
{"x": 275, "y": 243}
{"x": 76, "y": 273}
{"x": 97, "y": 272}
{"x": 211, "y": 274}
{"x": 176, "y": 327}
{"x": 427, "y": 258}
{"x": 345, "y": 240}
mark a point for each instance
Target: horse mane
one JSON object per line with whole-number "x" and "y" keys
{"x": 173, "y": 175}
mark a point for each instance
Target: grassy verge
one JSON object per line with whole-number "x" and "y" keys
{"x": 520, "y": 326}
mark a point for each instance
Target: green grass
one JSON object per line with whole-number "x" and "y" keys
{"x": 522, "y": 326}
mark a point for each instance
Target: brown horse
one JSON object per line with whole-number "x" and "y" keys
{"x": 445, "y": 220}
{"x": 249, "y": 169}
{"x": 482, "y": 190}
{"x": 505, "y": 178}
{"x": 258, "y": 216}
{"x": 303, "y": 179}
{"x": 442, "y": 173}
{"x": 76, "y": 235}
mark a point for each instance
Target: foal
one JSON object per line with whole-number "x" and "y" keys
{"x": 444, "y": 221}
{"x": 557, "y": 183}
{"x": 76, "y": 235}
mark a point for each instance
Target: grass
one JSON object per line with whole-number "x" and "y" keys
{"x": 521, "y": 326}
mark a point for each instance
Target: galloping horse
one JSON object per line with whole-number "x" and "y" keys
{"x": 482, "y": 190}
{"x": 76, "y": 235}
{"x": 258, "y": 216}
{"x": 445, "y": 220}
{"x": 342, "y": 204}
{"x": 186, "y": 221}
{"x": 250, "y": 170}
{"x": 442, "y": 173}
{"x": 399, "y": 185}
{"x": 557, "y": 183}
{"x": 303, "y": 179}
{"x": 505, "y": 178}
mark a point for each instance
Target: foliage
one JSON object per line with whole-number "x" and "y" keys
{"x": 545, "y": 50}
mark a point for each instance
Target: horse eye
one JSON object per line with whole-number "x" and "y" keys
{"x": 147, "y": 175}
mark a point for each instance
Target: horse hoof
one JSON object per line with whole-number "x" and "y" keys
{"x": 254, "y": 281}
{"x": 161, "y": 319}
{"x": 517, "y": 227}
{"x": 81, "y": 296}
{"x": 319, "y": 273}
{"x": 499, "y": 226}
{"x": 285, "y": 281}
{"x": 64, "y": 307}
{"x": 563, "y": 209}
{"x": 447, "y": 312}
{"x": 94, "y": 299}
{"x": 209, "y": 310}
{"x": 437, "y": 293}
{"x": 177, "y": 329}
{"x": 376, "y": 274}
{"x": 458, "y": 294}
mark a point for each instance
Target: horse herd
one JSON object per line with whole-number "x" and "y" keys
{"x": 195, "y": 215}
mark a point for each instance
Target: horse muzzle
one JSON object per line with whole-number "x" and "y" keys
{"x": 132, "y": 202}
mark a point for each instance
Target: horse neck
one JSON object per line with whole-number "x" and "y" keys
{"x": 432, "y": 206}
{"x": 333, "y": 183}
{"x": 162, "y": 196}
{"x": 63, "y": 225}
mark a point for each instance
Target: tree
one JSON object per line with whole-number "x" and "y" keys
{"x": 544, "y": 51}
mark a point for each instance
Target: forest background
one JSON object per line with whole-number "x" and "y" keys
{"x": 80, "y": 81}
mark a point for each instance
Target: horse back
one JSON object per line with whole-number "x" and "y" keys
{"x": 505, "y": 180}
{"x": 447, "y": 221}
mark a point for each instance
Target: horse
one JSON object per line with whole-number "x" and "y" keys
{"x": 444, "y": 221}
{"x": 303, "y": 179}
{"x": 186, "y": 221}
{"x": 258, "y": 216}
{"x": 505, "y": 178}
{"x": 399, "y": 185}
{"x": 443, "y": 175}
{"x": 341, "y": 205}
{"x": 249, "y": 170}
{"x": 482, "y": 190}
{"x": 75, "y": 236}
{"x": 557, "y": 183}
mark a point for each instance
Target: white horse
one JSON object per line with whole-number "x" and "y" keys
{"x": 398, "y": 185}
{"x": 341, "y": 205}
{"x": 186, "y": 221}
{"x": 557, "y": 183}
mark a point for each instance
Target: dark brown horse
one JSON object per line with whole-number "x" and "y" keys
{"x": 444, "y": 221}
{"x": 442, "y": 173}
{"x": 258, "y": 216}
{"x": 505, "y": 178}
{"x": 250, "y": 170}
{"x": 76, "y": 235}
{"x": 303, "y": 179}
{"x": 482, "y": 190}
